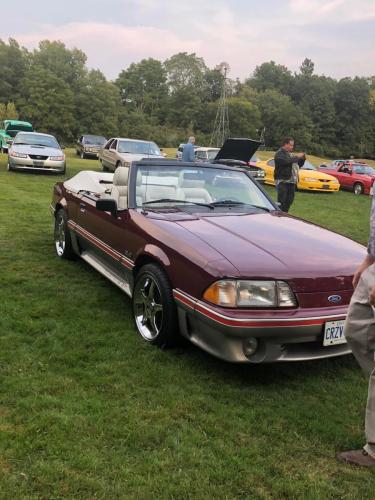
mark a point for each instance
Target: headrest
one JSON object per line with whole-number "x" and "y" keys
{"x": 120, "y": 177}
{"x": 188, "y": 180}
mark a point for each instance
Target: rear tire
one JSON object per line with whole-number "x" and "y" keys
{"x": 154, "y": 308}
{"x": 62, "y": 239}
{"x": 358, "y": 188}
{"x": 104, "y": 168}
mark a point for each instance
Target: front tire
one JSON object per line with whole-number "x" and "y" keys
{"x": 62, "y": 239}
{"x": 358, "y": 188}
{"x": 154, "y": 309}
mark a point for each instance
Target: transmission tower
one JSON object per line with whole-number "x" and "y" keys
{"x": 221, "y": 125}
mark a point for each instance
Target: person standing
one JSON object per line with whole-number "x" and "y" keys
{"x": 359, "y": 331}
{"x": 286, "y": 173}
{"x": 188, "y": 153}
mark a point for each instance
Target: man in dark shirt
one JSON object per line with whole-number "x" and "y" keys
{"x": 286, "y": 173}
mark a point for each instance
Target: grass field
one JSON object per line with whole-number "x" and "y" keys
{"x": 88, "y": 410}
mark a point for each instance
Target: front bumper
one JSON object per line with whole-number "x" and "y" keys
{"x": 37, "y": 166}
{"x": 318, "y": 186}
{"x": 283, "y": 336}
{"x": 92, "y": 154}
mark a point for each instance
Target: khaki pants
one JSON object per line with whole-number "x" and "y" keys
{"x": 360, "y": 334}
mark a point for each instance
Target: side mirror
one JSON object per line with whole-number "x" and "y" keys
{"x": 107, "y": 205}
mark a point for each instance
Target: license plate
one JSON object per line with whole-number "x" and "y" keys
{"x": 37, "y": 163}
{"x": 334, "y": 333}
{"x": 325, "y": 186}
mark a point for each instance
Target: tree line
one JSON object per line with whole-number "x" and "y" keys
{"x": 166, "y": 101}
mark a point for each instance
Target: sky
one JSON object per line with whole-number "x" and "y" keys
{"x": 338, "y": 35}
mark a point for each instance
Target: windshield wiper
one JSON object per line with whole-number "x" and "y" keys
{"x": 234, "y": 203}
{"x": 227, "y": 203}
{"x": 172, "y": 200}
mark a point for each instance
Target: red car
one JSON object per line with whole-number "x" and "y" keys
{"x": 203, "y": 251}
{"x": 355, "y": 176}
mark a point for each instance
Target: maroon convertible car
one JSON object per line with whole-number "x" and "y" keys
{"x": 203, "y": 251}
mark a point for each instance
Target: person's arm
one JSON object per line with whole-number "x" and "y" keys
{"x": 284, "y": 160}
{"x": 370, "y": 257}
{"x": 301, "y": 159}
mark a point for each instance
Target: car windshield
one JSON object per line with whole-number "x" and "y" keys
{"x": 37, "y": 140}
{"x": 308, "y": 166}
{"x": 138, "y": 148}
{"x": 212, "y": 153}
{"x": 214, "y": 188}
{"x": 94, "y": 139}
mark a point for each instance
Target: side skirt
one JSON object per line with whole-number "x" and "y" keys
{"x": 106, "y": 271}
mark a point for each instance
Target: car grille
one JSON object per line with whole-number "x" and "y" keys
{"x": 38, "y": 157}
{"x": 325, "y": 180}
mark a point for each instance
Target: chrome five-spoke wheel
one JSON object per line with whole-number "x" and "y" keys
{"x": 154, "y": 309}
{"x": 61, "y": 236}
{"x": 148, "y": 310}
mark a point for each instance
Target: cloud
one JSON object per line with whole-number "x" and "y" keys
{"x": 332, "y": 11}
{"x": 218, "y": 32}
{"x": 112, "y": 47}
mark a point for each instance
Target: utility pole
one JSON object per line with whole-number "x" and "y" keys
{"x": 221, "y": 125}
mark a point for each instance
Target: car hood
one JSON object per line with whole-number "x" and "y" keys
{"x": 137, "y": 157}
{"x": 238, "y": 149}
{"x": 275, "y": 245}
{"x": 36, "y": 150}
{"x": 314, "y": 174}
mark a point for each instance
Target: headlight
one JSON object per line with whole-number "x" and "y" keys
{"x": 334, "y": 181}
{"x": 309, "y": 179}
{"x": 17, "y": 155}
{"x": 57, "y": 158}
{"x": 254, "y": 293}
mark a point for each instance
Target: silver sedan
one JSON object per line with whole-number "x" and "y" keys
{"x": 37, "y": 152}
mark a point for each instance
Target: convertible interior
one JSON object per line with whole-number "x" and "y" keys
{"x": 101, "y": 184}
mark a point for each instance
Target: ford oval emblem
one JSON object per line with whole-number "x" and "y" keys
{"x": 335, "y": 298}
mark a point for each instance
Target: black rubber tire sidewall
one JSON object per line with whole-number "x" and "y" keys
{"x": 358, "y": 184}
{"x": 169, "y": 334}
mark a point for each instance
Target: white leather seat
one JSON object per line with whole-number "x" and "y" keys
{"x": 119, "y": 189}
{"x": 193, "y": 190}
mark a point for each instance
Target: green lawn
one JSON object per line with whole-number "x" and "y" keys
{"x": 88, "y": 410}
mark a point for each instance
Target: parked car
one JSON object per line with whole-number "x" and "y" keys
{"x": 240, "y": 149}
{"x": 179, "y": 151}
{"x": 201, "y": 249}
{"x": 11, "y": 128}
{"x": 206, "y": 153}
{"x": 88, "y": 146}
{"x": 121, "y": 152}
{"x": 354, "y": 176}
{"x": 309, "y": 178}
{"x": 36, "y": 152}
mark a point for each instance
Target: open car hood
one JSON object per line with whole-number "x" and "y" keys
{"x": 238, "y": 149}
